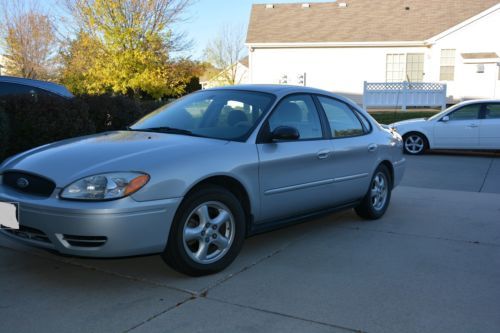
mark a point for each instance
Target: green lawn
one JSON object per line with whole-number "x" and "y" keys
{"x": 388, "y": 117}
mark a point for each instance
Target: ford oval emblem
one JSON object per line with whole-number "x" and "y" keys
{"x": 22, "y": 183}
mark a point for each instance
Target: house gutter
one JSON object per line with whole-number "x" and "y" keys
{"x": 336, "y": 44}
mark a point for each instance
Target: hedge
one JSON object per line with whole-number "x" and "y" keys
{"x": 27, "y": 122}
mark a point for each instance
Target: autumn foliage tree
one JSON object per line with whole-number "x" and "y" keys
{"x": 125, "y": 47}
{"x": 28, "y": 40}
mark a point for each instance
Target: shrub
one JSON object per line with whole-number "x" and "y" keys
{"x": 4, "y": 133}
{"x": 112, "y": 112}
{"x": 389, "y": 117}
{"x": 44, "y": 120}
{"x": 32, "y": 122}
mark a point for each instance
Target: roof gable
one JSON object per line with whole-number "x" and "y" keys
{"x": 360, "y": 21}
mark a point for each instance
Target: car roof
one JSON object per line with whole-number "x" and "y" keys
{"x": 281, "y": 90}
{"x": 44, "y": 85}
{"x": 473, "y": 101}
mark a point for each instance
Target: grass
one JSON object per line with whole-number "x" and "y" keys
{"x": 388, "y": 117}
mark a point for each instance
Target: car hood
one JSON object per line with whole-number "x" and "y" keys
{"x": 68, "y": 160}
{"x": 408, "y": 122}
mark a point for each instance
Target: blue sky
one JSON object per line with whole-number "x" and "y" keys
{"x": 208, "y": 16}
{"x": 204, "y": 18}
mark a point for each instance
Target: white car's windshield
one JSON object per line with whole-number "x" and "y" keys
{"x": 440, "y": 114}
{"x": 219, "y": 114}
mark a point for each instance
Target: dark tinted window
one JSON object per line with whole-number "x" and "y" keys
{"x": 343, "y": 122}
{"x": 492, "y": 111}
{"x": 13, "y": 89}
{"x": 467, "y": 112}
{"x": 298, "y": 111}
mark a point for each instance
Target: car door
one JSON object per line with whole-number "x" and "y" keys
{"x": 295, "y": 176}
{"x": 489, "y": 126}
{"x": 459, "y": 130}
{"x": 354, "y": 150}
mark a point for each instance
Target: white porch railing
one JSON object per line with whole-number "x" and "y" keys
{"x": 404, "y": 94}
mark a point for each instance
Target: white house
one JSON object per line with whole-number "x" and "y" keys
{"x": 337, "y": 46}
{"x": 240, "y": 74}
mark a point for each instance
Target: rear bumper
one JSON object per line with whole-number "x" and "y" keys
{"x": 117, "y": 228}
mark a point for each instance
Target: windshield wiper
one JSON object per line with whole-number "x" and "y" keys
{"x": 163, "y": 129}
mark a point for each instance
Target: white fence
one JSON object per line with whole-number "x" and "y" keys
{"x": 404, "y": 94}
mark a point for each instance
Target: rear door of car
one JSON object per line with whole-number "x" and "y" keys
{"x": 461, "y": 131}
{"x": 354, "y": 149}
{"x": 295, "y": 176}
{"x": 489, "y": 126}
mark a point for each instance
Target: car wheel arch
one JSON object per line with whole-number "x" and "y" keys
{"x": 421, "y": 133}
{"x": 389, "y": 167}
{"x": 231, "y": 184}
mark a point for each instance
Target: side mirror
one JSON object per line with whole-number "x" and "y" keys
{"x": 445, "y": 119}
{"x": 285, "y": 133}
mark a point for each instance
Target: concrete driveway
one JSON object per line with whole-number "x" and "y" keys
{"x": 432, "y": 264}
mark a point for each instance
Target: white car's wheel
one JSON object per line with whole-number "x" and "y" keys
{"x": 415, "y": 143}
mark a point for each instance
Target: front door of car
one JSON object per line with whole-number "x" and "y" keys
{"x": 489, "y": 126}
{"x": 458, "y": 129}
{"x": 295, "y": 176}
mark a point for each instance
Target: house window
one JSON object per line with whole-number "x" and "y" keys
{"x": 415, "y": 67}
{"x": 395, "y": 67}
{"x": 447, "y": 65}
{"x": 405, "y": 67}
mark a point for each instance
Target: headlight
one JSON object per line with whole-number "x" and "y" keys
{"x": 107, "y": 186}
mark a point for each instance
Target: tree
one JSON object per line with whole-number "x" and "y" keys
{"x": 224, "y": 52}
{"x": 29, "y": 41}
{"x": 129, "y": 43}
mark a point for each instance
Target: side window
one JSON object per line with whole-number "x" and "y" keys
{"x": 492, "y": 111}
{"x": 343, "y": 122}
{"x": 467, "y": 112}
{"x": 298, "y": 111}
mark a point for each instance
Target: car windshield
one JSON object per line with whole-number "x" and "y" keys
{"x": 437, "y": 115}
{"x": 219, "y": 114}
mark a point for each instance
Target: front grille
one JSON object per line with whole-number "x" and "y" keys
{"x": 28, "y": 183}
{"x": 29, "y": 233}
{"x": 85, "y": 241}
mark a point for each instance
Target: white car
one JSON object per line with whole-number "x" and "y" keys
{"x": 468, "y": 125}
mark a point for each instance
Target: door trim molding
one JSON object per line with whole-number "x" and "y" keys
{"x": 314, "y": 184}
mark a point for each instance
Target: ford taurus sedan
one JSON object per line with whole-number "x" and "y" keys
{"x": 471, "y": 125}
{"x": 192, "y": 179}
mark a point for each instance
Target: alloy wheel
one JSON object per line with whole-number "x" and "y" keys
{"x": 208, "y": 232}
{"x": 379, "y": 191}
{"x": 414, "y": 144}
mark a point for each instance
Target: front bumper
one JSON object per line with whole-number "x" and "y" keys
{"x": 123, "y": 227}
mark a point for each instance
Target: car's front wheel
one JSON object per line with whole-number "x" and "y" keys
{"x": 414, "y": 143}
{"x": 207, "y": 232}
{"x": 377, "y": 199}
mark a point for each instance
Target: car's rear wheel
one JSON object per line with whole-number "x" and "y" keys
{"x": 377, "y": 198}
{"x": 207, "y": 232}
{"x": 415, "y": 143}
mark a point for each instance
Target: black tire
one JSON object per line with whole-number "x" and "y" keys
{"x": 177, "y": 256}
{"x": 415, "y": 143}
{"x": 368, "y": 209}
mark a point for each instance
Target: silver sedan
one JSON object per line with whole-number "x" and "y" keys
{"x": 192, "y": 179}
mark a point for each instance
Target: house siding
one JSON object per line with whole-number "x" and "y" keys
{"x": 344, "y": 69}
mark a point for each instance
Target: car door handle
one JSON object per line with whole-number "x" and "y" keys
{"x": 322, "y": 154}
{"x": 472, "y": 125}
{"x": 372, "y": 147}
